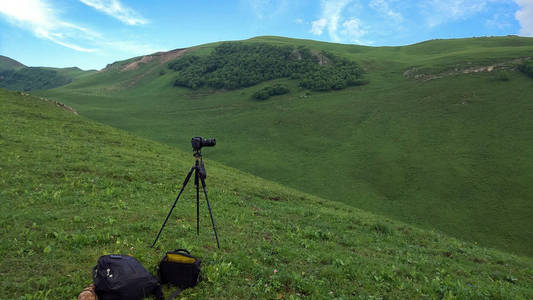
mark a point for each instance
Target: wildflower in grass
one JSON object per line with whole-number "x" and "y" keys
{"x": 275, "y": 271}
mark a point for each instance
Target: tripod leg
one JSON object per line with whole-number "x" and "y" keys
{"x": 197, "y": 202}
{"x": 210, "y": 213}
{"x": 174, "y": 205}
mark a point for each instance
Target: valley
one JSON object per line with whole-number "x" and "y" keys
{"x": 452, "y": 154}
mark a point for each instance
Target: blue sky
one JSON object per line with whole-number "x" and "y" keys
{"x": 92, "y": 33}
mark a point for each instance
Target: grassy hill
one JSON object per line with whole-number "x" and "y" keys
{"x": 7, "y": 63}
{"x": 73, "y": 189}
{"x": 16, "y": 76}
{"x": 440, "y": 137}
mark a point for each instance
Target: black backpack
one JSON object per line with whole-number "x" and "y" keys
{"x": 118, "y": 277}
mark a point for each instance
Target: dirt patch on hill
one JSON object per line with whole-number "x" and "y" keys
{"x": 161, "y": 57}
{"x": 170, "y": 55}
{"x": 320, "y": 57}
{"x": 134, "y": 65}
{"x": 157, "y": 59}
{"x": 418, "y": 74}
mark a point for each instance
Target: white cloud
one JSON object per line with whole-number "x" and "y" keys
{"x": 259, "y": 7}
{"x": 441, "y": 11}
{"x": 383, "y": 7}
{"x": 38, "y": 17}
{"x": 339, "y": 27}
{"x": 264, "y": 9}
{"x": 299, "y": 21}
{"x": 525, "y": 16}
{"x": 317, "y": 26}
{"x": 117, "y": 10}
{"x": 499, "y": 21}
{"x": 354, "y": 30}
{"x": 331, "y": 15}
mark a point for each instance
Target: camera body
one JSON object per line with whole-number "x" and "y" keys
{"x": 198, "y": 142}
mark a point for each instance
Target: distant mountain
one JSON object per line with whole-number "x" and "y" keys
{"x": 7, "y": 63}
{"x": 16, "y": 76}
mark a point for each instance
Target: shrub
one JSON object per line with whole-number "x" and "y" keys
{"x": 268, "y": 91}
{"x": 502, "y": 76}
{"x": 262, "y": 94}
{"x": 527, "y": 68}
{"x": 382, "y": 228}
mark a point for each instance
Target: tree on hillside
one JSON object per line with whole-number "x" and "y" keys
{"x": 238, "y": 65}
{"x": 268, "y": 91}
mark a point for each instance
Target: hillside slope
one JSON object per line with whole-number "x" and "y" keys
{"x": 7, "y": 63}
{"x": 16, "y": 76}
{"x": 73, "y": 190}
{"x": 440, "y": 137}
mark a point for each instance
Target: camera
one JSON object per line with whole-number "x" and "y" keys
{"x": 198, "y": 142}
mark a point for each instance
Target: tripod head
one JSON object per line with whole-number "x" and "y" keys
{"x": 197, "y": 154}
{"x": 200, "y": 164}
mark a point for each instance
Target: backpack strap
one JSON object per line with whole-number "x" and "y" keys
{"x": 175, "y": 294}
{"x": 158, "y": 293}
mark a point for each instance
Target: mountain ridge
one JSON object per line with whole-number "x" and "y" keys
{"x": 17, "y": 76}
{"x": 7, "y": 63}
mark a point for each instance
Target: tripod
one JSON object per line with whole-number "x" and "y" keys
{"x": 199, "y": 175}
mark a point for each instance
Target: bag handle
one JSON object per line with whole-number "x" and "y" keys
{"x": 184, "y": 250}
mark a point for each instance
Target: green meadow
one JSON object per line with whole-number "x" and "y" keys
{"x": 72, "y": 189}
{"x": 22, "y": 78}
{"x": 439, "y": 138}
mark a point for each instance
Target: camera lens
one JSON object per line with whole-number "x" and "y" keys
{"x": 209, "y": 142}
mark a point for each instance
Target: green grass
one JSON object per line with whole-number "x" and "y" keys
{"x": 452, "y": 154}
{"x": 72, "y": 190}
{"x": 7, "y": 63}
{"x": 16, "y": 76}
